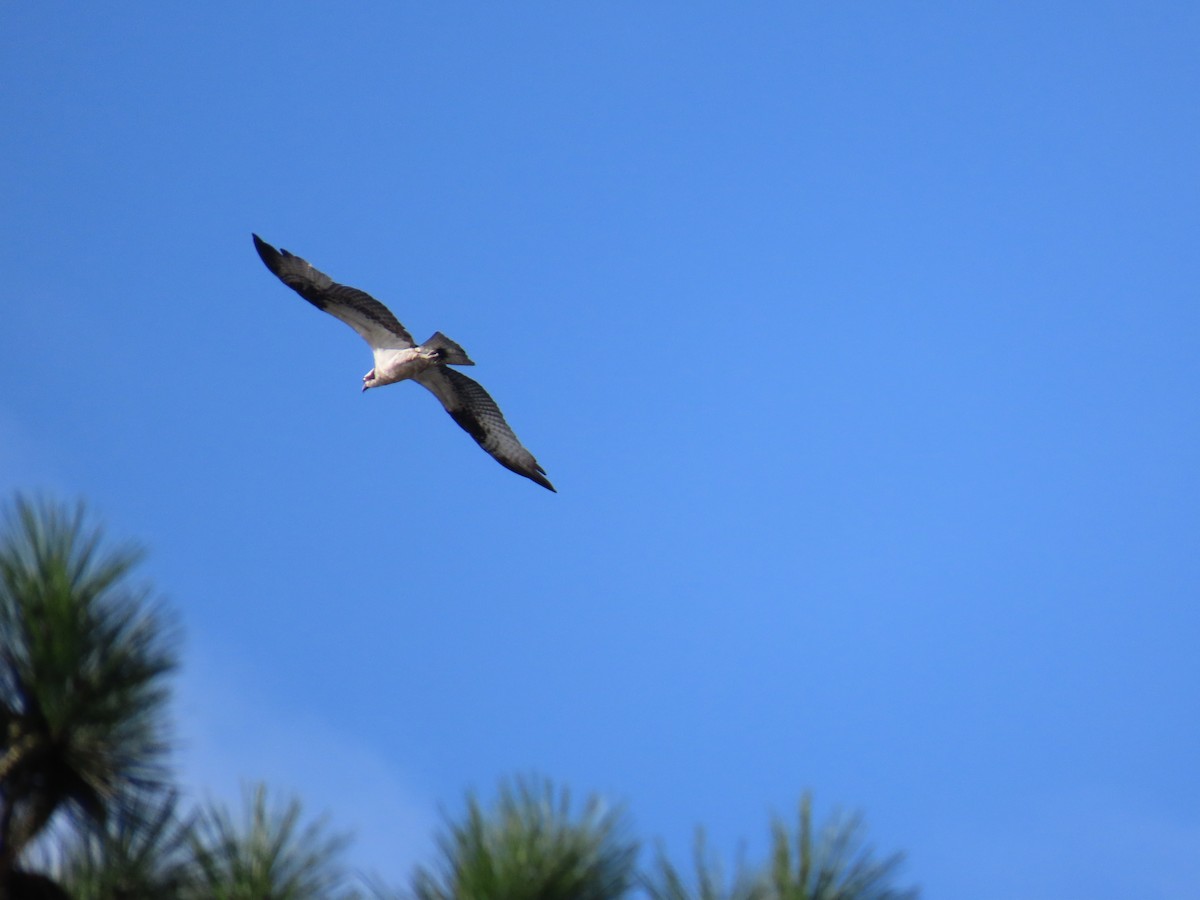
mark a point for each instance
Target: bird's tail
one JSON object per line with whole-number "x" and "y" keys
{"x": 448, "y": 352}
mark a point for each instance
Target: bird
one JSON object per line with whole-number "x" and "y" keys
{"x": 399, "y": 358}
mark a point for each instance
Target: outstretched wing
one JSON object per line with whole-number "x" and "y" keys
{"x": 474, "y": 409}
{"x": 358, "y": 309}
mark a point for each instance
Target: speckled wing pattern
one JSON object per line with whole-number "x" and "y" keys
{"x": 358, "y": 309}
{"x": 474, "y": 409}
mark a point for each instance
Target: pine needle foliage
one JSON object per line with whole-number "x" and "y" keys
{"x": 833, "y": 864}
{"x": 83, "y": 659}
{"x": 271, "y": 855}
{"x": 144, "y": 851}
{"x": 666, "y": 882}
{"x": 805, "y": 864}
{"x": 530, "y": 846}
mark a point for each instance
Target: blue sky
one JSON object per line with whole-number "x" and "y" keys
{"x": 861, "y": 341}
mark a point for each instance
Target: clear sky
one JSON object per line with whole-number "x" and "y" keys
{"x": 861, "y": 340}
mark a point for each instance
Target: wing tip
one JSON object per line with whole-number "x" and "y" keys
{"x": 539, "y": 478}
{"x": 268, "y": 254}
{"x": 528, "y": 468}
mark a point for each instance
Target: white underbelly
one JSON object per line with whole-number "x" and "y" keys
{"x": 398, "y": 365}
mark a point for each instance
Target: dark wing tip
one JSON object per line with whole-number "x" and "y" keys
{"x": 472, "y": 425}
{"x": 534, "y": 472}
{"x": 268, "y": 254}
{"x": 539, "y": 475}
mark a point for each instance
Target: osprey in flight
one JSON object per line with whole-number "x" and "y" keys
{"x": 397, "y": 357}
